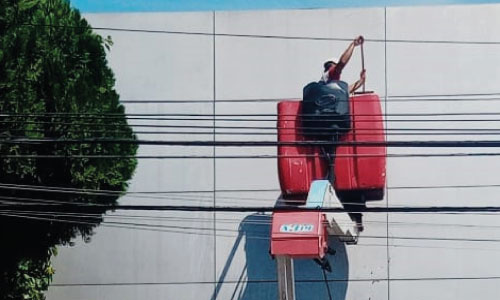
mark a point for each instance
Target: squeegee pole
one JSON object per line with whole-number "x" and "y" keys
{"x": 363, "y": 63}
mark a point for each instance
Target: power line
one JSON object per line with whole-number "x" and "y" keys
{"x": 272, "y": 281}
{"x": 88, "y": 207}
{"x": 395, "y": 99}
{"x": 13, "y": 200}
{"x": 16, "y": 200}
{"x": 359, "y": 119}
{"x": 201, "y": 143}
{"x": 265, "y": 222}
{"x": 247, "y": 133}
{"x": 112, "y": 192}
{"x": 258, "y": 36}
{"x": 276, "y": 100}
{"x": 249, "y": 237}
{"x": 445, "y": 95}
{"x": 122, "y": 226}
{"x": 315, "y": 130}
{"x": 198, "y": 229}
{"x": 262, "y": 156}
{"x": 54, "y": 218}
{"x": 104, "y": 192}
{"x": 210, "y": 117}
{"x": 170, "y": 197}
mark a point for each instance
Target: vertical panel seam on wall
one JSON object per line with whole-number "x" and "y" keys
{"x": 386, "y": 136}
{"x": 214, "y": 164}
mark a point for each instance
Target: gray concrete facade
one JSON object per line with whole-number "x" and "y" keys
{"x": 224, "y": 255}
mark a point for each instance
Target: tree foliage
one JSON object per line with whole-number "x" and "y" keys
{"x": 54, "y": 83}
{"x": 29, "y": 278}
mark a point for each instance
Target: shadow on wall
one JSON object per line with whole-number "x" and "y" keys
{"x": 257, "y": 280}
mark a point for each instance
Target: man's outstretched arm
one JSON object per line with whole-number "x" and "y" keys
{"x": 346, "y": 56}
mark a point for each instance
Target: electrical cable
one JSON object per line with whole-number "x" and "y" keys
{"x": 249, "y": 237}
{"x": 197, "y": 230}
{"x": 243, "y": 133}
{"x": 112, "y": 192}
{"x": 445, "y": 95}
{"x": 276, "y": 100}
{"x": 73, "y": 191}
{"x": 315, "y": 130}
{"x": 209, "y": 117}
{"x": 169, "y": 198}
{"x": 360, "y": 121}
{"x": 265, "y": 222}
{"x": 122, "y": 226}
{"x": 184, "y": 198}
{"x": 273, "y": 281}
{"x": 90, "y": 207}
{"x": 327, "y": 284}
{"x": 259, "y": 36}
{"x": 83, "y": 191}
{"x": 262, "y": 156}
{"x": 201, "y": 143}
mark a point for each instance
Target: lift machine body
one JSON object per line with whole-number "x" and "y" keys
{"x": 359, "y": 176}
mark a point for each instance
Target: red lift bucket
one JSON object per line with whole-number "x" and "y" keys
{"x": 359, "y": 170}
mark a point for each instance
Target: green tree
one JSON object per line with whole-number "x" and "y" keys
{"x": 54, "y": 83}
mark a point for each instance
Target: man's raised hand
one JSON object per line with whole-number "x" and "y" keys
{"x": 362, "y": 75}
{"x": 359, "y": 40}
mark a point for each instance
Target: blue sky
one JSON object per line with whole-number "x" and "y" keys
{"x": 202, "y": 5}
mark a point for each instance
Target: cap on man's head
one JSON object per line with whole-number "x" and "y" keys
{"x": 329, "y": 63}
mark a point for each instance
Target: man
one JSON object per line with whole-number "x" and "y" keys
{"x": 333, "y": 69}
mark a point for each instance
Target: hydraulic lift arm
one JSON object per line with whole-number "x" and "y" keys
{"x": 304, "y": 233}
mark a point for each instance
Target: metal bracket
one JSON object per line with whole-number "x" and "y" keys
{"x": 322, "y": 195}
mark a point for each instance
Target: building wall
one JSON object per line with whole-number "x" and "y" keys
{"x": 224, "y": 255}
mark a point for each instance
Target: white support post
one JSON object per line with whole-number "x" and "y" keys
{"x": 286, "y": 278}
